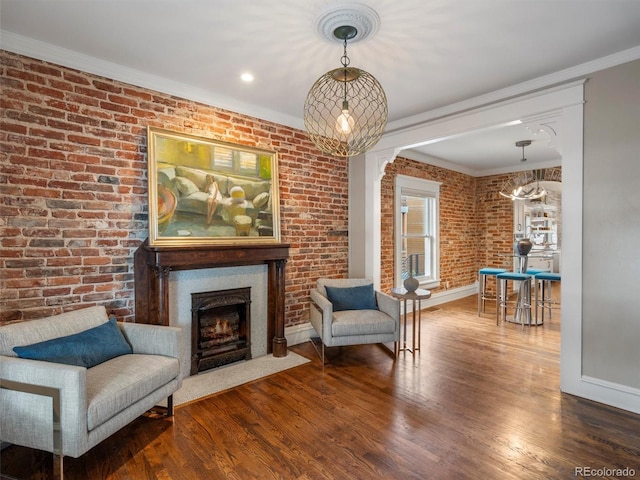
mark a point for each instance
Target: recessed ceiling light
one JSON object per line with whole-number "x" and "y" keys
{"x": 246, "y": 77}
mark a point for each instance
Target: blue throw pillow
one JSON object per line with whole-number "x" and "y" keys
{"x": 85, "y": 349}
{"x": 352, "y": 298}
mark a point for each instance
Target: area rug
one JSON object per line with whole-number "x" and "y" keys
{"x": 229, "y": 376}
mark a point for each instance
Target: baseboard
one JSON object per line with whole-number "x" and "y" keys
{"x": 299, "y": 333}
{"x": 447, "y": 296}
{"x": 609, "y": 393}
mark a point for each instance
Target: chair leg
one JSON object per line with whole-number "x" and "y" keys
{"x": 549, "y": 298}
{"x": 162, "y": 410}
{"x": 518, "y": 309}
{"x": 58, "y": 466}
{"x": 392, "y": 353}
{"x": 55, "y": 395}
{"x": 527, "y": 300}
{"x": 545, "y": 285}
{"x": 501, "y": 299}
{"x": 498, "y": 300}
{"x": 170, "y": 406}
{"x": 319, "y": 351}
{"x": 481, "y": 287}
{"x": 535, "y": 298}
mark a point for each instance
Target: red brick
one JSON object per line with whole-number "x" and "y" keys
{"x": 111, "y": 140}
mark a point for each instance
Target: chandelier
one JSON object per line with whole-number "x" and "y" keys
{"x": 524, "y": 185}
{"x": 345, "y": 112}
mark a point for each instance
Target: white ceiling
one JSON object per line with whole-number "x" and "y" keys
{"x": 427, "y": 54}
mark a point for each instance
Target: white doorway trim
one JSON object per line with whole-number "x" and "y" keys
{"x": 562, "y": 105}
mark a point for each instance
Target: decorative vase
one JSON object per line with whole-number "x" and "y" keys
{"x": 523, "y": 247}
{"x": 411, "y": 284}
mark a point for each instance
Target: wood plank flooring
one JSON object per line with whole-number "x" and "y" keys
{"x": 478, "y": 402}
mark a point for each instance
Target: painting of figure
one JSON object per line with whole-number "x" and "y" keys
{"x": 207, "y": 192}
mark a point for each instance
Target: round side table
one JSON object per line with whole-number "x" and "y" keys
{"x": 417, "y": 296}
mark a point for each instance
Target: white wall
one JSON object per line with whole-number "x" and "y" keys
{"x": 611, "y": 271}
{"x": 357, "y": 199}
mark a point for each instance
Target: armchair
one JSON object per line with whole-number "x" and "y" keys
{"x": 67, "y": 408}
{"x": 350, "y": 312}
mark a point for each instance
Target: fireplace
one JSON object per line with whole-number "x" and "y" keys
{"x": 153, "y": 266}
{"x": 220, "y": 328}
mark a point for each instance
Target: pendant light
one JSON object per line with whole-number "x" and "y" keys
{"x": 524, "y": 185}
{"x": 345, "y": 112}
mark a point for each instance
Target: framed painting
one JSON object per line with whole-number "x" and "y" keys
{"x": 206, "y": 192}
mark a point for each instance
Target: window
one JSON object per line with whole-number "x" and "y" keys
{"x": 227, "y": 159}
{"x": 417, "y": 231}
{"x": 248, "y": 163}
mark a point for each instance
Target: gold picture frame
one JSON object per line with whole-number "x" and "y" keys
{"x": 207, "y": 192}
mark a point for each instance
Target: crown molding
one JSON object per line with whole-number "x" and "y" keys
{"x": 539, "y": 83}
{"x": 43, "y": 51}
{"x": 68, "y": 58}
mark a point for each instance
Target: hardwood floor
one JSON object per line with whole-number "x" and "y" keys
{"x": 478, "y": 401}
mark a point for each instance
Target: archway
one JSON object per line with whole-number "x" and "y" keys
{"x": 561, "y": 109}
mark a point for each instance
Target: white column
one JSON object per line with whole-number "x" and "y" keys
{"x": 571, "y": 267}
{"x": 365, "y": 238}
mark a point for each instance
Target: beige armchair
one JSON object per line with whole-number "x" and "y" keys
{"x": 350, "y": 312}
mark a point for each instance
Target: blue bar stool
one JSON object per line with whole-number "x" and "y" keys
{"x": 543, "y": 286}
{"x": 522, "y": 312}
{"x": 483, "y": 295}
{"x": 535, "y": 271}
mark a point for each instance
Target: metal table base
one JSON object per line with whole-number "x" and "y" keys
{"x": 414, "y": 297}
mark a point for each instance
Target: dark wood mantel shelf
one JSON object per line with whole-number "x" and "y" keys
{"x": 153, "y": 264}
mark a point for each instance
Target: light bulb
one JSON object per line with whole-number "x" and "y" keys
{"x": 344, "y": 122}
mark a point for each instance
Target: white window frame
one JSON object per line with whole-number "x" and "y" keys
{"x": 405, "y": 185}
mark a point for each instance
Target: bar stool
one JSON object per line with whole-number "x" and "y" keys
{"x": 522, "y": 311}
{"x": 483, "y": 295}
{"x": 543, "y": 283}
{"x": 535, "y": 271}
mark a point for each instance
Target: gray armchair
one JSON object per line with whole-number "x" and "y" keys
{"x": 68, "y": 409}
{"x": 361, "y": 315}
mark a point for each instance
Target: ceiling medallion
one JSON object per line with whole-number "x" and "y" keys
{"x": 361, "y": 17}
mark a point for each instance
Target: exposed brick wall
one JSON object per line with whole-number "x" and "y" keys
{"x": 495, "y": 214}
{"x": 496, "y": 232}
{"x": 459, "y": 222}
{"x": 74, "y": 189}
{"x": 476, "y": 222}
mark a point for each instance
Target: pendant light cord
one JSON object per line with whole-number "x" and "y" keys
{"x": 345, "y": 63}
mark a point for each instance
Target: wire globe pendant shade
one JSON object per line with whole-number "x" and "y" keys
{"x": 345, "y": 112}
